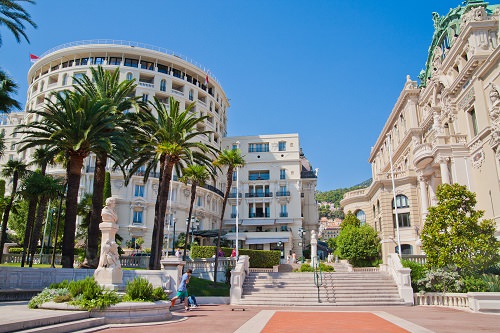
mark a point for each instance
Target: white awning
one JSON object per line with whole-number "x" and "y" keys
{"x": 266, "y": 240}
{"x": 258, "y": 222}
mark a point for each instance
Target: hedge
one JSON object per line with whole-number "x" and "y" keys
{"x": 258, "y": 258}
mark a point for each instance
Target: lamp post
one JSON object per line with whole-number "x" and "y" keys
{"x": 173, "y": 237}
{"x": 280, "y": 246}
{"x": 237, "y": 205}
{"x": 301, "y": 235}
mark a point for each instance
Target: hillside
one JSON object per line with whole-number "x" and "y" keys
{"x": 334, "y": 196}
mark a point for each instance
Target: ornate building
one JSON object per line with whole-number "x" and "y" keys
{"x": 162, "y": 74}
{"x": 443, "y": 129}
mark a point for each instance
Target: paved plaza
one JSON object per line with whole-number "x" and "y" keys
{"x": 228, "y": 318}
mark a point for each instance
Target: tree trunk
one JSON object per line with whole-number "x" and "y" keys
{"x": 29, "y": 228}
{"x": 35, "y": 236}
{"x": 229, "y": 179}
{"x": 6, "y": 214}
{"x": 91, "y": 256}
{"x": 193, "y": 196}
{"x": 152, "y": 258}
{"x": 68, "y": 242}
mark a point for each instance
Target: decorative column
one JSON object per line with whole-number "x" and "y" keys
{"x": 423, "y": 196}
{"x": 109, "y": 272}
{"x": 314, "y": 248}
{"x": 443, "y": 166}
{"x": 432, "y": 192}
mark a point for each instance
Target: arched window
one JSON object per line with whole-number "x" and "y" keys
{"x": 163, "y": 85}
{"x": 129, "y": 76}
{"x": 405, "y": 249}
{"x": 403, "y": 210}
{"x": 361, "y": 216}
{"x": 190, "y": 94}
{"x": 65, "y": 79}
{"x": 211, "y": 104}
{"x": 378, "y": 207}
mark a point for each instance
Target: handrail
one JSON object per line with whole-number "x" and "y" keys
{"x": 318, "y": 278}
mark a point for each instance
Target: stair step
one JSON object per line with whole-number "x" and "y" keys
{"x": 70, "y": 326}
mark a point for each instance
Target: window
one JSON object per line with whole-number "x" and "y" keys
{"x": 401, "y": 201}
{"x": 233, "y": 211}
{"x": 139, "y": 191}
{"x": 473, "y": 122}
{"x": 234, "y": 176}
{"x": 283, "y": 211}
{"x": 163, "y": 85}
{"x": 114, "y": 61}
{"x": 129, "y": 76}
{"x": 258, "y": 175}
{"x": 282, "y": 146}
{"x": 282, "y": 174}
{"x": 147, "y": 65}
{"x": 258, "y": 147}
{"x": 131, "y": 62}
{"x": 199, "y": 201}
{"x": 191, "y": 94}
{"x": 405, "y": 249}
{"x": 99, "y": 60}
{"x": 163, "y": 69}
{"x": 137, "y": 218}
{"x": 65, "y": 79}
{"x": 361, "y": 216}
{"x": 77, "y": 76}
{"x": 145, "y": 98}
{"x": 403, "y": 219}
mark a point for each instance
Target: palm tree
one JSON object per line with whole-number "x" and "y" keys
{"x": 197, "y": 175}
{"x": 2, "y": 144}
{"x": 230, "y": 158}
{"x": 170, "y": 139}
{"x": 7, "y": 88}
{"x": 16, "y": 170}
{"x": 43, "y": 157}
{"x": 105, "y": 87}
{"x": 29, "y": 191}
{"x": 74, "y": 125}
{"x": 50, "y": 189}
{"x": 13, "y": 16}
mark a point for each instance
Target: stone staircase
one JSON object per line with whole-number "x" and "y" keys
{"x": 339, "y": 288}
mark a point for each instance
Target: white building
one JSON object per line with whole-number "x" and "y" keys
{"x": 162, "y": 74}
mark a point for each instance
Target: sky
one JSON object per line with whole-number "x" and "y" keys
{"x": 328, "y": 70}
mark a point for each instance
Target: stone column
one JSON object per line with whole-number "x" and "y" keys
{"x": 423, "y": 196}
{"x": 443, "y": 166}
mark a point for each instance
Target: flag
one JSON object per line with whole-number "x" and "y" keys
{"x": 33, "y": 58}
{"x": 206, "y": 80}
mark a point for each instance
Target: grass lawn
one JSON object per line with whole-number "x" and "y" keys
{"x": 200, "y": 287}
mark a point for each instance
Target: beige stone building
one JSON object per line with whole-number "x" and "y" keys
{"x": 443, "y": 129}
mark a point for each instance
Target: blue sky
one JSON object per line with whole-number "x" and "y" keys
{"x": 328, "y": 70}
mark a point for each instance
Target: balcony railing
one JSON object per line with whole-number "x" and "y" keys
{"x": 283, "y": 214}
{"x": 258, "y": 195}
{"x": 258, "y": 177}
{"x": 283, "y": 194}
{"x": 308, "y": 174}
{"x": 233, "y": 195}
{"x": 233, "y": 215}
{"x": 146, "y": 84}
{"x": 214, "y": 189}
{"x": 256, "y": 215}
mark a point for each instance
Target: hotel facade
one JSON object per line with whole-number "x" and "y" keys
{"x": 162, "y": 74}
{"x": 444, "y": 128}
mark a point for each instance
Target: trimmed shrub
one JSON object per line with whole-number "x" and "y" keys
{"x": 417, "y": 272}
{"x": 15, "y": 250}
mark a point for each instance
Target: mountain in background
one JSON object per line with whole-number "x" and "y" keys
{"x": 334, "y": 196}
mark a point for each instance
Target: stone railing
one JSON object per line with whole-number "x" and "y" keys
{"x": 418, "y": 258}
{"x": 366, "y": 269}
{"x": 238, "y": 275}
{"x": 454, "y": 300}
{"x": 15, "y": 258}
{"x": 204, "y": 268}
{"x": 401, "y": 276}
{"x": 355, "y": 193}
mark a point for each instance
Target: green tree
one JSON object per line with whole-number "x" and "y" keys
{"x": 14, "y": 17}
{"x": 196, "y": 175}
{"x": 107, "y": 188}
{"x": 7, "y": 88}
{"x": 453, "y": 234}
{"x": 170, "y": 138}
{"x": 350, "y": 220}
{"x": 16, "y": 170}
{"x": 359, "y": 245}
{"x": 75, "y": 125}
{"x": 232, "y": 159}
{"x": 105, "y": 87}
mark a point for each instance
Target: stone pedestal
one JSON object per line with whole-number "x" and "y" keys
{"x": 109, "y": 273}
{"x": 173, "y": 266}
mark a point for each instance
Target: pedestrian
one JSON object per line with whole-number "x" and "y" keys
{"x": 287, "y": 258}
{"x": 192, "y": 301}
{"x": 220, "y": 253}
{"x": 233, "y": 254}
{"x": 178, "y": 253}
{"x": 182, "y": 290}
{"x": 294, "y": 258}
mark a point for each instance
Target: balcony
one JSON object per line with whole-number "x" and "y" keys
{"x": 233, "y": 195}
{"x": 258, "y": 195}
{"x": 308, "y": 174}
{"x": 283, "y": 214}
{"x": 422, "y": 155}
{"x": 257, "y": 215}
{"x": 146, "y": 84}
{"x": 283, "y": 194}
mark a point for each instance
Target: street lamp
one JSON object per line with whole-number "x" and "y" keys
{"x": 237, "y": 204}
{"x": 173, "y": 238}
{"x": 281, "y": 247}
{"x": 301, "y": 235}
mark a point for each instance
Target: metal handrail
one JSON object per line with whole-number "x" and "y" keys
{"x": 318, "y": 275}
